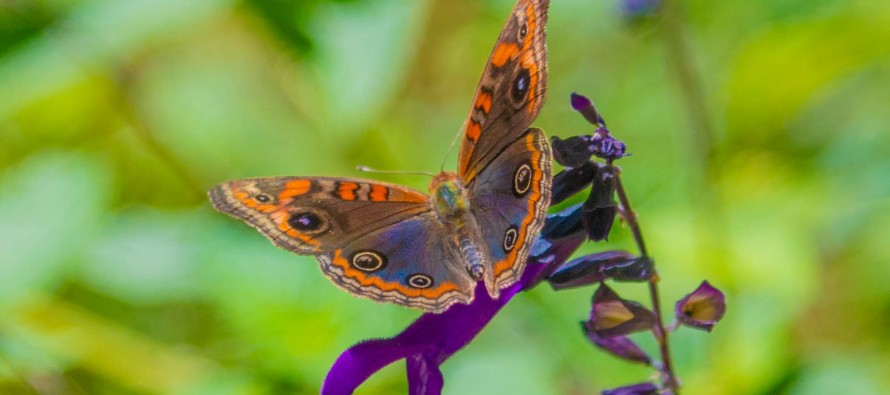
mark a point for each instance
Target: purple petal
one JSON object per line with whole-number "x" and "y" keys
{"x": 360, "y": 361}
{"x": 639, "y": 269}
{"x": 588, "y": 269}
{"x": 582, "y": 104}
{"x": 424, "y": 376}
{"x": 636, "y": 389}
{"x": 598, "y": 222}
{"x": 599, "y": 208}
{"x": 619, "y": 346}
{"x": 436, "y": 336}
{"x": 550, "y": 254}
{"x": 612, "y": 316}
{"x": 573, "y": 151}
{"x": 703, "y": 308}
{"x": 573, "y": 180}
{"x": 559, "y": 225}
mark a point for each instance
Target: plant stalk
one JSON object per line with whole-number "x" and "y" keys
{"x": 661, "y": 335}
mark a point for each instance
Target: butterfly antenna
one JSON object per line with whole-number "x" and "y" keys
{"x": 371, "y": 170}
{"x": 450, "y": 147}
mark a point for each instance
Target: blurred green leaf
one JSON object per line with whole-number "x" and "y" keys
{"x": 780, "y": 69}
{"x": 50, "y": 207}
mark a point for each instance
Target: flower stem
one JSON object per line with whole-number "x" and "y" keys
{"x": 661, "y": 335}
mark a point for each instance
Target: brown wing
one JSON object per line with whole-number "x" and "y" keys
{"x": 511, "y": 91}
{"x": 314, "y": 215}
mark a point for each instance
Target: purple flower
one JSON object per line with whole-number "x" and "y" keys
{"x": 703, "y": 308}
{"x": 610, "y": 315}
{"x": 619, "y": 346}
{"x": 594, "y": 268}
{"x": 571, "y": 152}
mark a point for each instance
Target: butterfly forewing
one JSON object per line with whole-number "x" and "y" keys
{"x": 511, "y": 91}
{"x": 312, "y": 215}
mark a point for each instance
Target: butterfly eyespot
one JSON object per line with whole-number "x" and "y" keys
{"x": 368, "y": 261}
{"x": 522, "y": 180}
{"x": 523, "y": 31}
{"x": 307, "y": 222}
{"x": 420, "y": 281}
{"x": 262, "y": 198}
{"x": 510, "y": 239}
{"x": 520, "y": 86}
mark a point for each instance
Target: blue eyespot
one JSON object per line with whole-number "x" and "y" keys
{"x": 368, "y": 260}
{"x": 420, "y": 281}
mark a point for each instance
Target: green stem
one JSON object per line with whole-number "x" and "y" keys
{"x": 661, "y": 335}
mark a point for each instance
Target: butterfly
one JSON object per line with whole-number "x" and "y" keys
{"x": 394, "y": 244}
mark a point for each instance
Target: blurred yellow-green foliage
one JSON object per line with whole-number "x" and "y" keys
{"x": 761, "y": 162}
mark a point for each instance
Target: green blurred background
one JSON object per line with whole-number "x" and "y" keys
{"x": 761, "y": 162}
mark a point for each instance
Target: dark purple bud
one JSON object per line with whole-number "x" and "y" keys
{"x": 636, "y": 389}
{"x": 562, "y": 224}
{"x": 555, "y": 244}
{"x": 599, "y": 208}
{"x": 588, "y": 269}
{"x": 582, "y": 104}
{"x": 613, "y": 316}
{"x": 572, "y": 180}
{"x": 598, "y": 223}
{"x": 573, "y": 151}
{"x": 619, "y": 346}
{"x": 639, "y": 269}
{"x": 703, "y": 308}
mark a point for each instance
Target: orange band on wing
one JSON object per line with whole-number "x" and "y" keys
{"x": 372, "y": 281}
{"x": 379, "y": 193}
{"x": 346, "y": 191}
{"x": 248, "y": 201}
{"x": 403, "y": 195}
{"x": 528, "y": 59}
{"x": 532, "y": 26}
{"x": 295, "y": 188}
{"x": 532, "y": 67}
{"x": 473, "y": 130}
{"x": 506, "y": 263}
{"x": 483, "y": 102}
{"x": 503, "y": 53}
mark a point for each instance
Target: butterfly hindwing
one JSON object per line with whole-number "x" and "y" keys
{"x": 511, "y": 91}
{"x": 312, "y": 215}
{"x": 510, "y": 199}
{"x": 411, "y": 263}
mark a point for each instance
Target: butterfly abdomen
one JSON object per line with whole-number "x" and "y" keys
{"x": 474, "y": 258}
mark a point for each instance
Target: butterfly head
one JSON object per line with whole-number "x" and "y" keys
{"x": 449, "y": 196}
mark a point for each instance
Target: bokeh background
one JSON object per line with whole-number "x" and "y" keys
{"x": 761, "y": 162}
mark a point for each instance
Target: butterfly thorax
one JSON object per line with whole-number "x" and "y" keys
{"x": 452, "y": 205}
{"x": 449, "y": 197}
